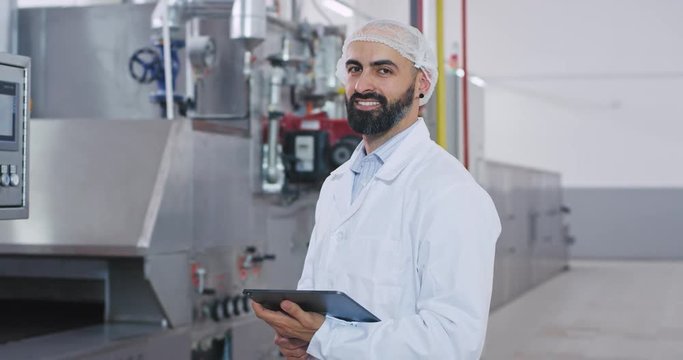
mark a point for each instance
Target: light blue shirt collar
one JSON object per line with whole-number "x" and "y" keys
{"x": 382, "y": 153}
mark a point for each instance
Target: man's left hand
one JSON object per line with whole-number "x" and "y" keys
{"x": 294, "y": 323}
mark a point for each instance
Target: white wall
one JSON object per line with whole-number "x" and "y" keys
{"x": 592, "y": 89}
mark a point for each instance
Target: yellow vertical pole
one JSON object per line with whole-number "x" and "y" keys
{"x": 441, "y": 82}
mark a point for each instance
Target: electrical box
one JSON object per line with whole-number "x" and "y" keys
{"x": 306, "y": 152}
{"x": 14, "y": 115}
{"x": 314, "y": 144}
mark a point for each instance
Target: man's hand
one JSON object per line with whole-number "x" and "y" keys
{"x": 295, "y": 323}
{"x": 292, "y": 349}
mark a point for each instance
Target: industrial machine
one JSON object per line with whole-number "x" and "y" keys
{"x": 111, "y": 264}
{"x": 302, "y": 145}
{"x": 14, "y": 115}
{"x": 147, "y": 230}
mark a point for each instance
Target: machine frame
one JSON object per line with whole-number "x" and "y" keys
{"x": 21, "y": 134}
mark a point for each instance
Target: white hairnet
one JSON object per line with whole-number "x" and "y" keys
{"x": 407, "y": 40}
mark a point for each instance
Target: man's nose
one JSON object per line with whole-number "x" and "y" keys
{"x": 364, "y": 83}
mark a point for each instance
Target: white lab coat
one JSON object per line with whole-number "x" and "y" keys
{"x": 416, "y": 248}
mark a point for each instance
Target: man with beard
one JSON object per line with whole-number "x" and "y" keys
{"x": 401, "y": 227}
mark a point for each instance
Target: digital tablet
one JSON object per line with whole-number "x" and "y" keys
{"x": 332, "y": 303}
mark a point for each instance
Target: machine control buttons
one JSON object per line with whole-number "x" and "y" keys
{"x": 14, "y": 180}
{"x": 227, "y": 307}
{"x": 223, "y": 308}
{"x": 9, "y": 176}
{"x": 236, "y": 305}
{"x": 217, "y": 313}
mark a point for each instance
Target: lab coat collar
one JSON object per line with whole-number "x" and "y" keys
{"x": 397, "y": 161}
{"x": 342, "y": 178}
{"x": 405, "y": 152}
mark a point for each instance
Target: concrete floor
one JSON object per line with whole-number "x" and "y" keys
{"x": 597, "y": 310}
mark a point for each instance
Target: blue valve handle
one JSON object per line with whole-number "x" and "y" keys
{"x": 145, "y": 65}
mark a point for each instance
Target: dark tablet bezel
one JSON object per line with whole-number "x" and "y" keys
{"x": 327, "y": 302}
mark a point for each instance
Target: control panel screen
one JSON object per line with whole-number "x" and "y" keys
{"x": 8, "y": 110}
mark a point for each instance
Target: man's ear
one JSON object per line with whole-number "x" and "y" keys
{"x": 422, "y": 82}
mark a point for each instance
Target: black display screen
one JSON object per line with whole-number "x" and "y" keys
{"x": 8, "y": 110}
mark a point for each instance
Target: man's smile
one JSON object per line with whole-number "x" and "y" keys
{"x": 366, "y": 105}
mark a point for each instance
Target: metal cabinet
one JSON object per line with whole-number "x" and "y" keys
{"x": 531, "y": 248}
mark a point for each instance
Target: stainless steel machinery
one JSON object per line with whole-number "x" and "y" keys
{"x": 533, "y": 246}
{"x": 106, "y": 251}
{"x": 140, "y": 240}
{"x": 148, "y": 229}
{"x": 14, "y": 113}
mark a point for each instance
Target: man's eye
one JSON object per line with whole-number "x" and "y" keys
{"x": 353, "y": 69}
{"x": 384, "y": 71}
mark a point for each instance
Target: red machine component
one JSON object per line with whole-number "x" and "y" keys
{"x": 336, "y": 129}
{"x": 331, "y": 143}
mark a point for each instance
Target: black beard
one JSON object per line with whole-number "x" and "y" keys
{"x": 381, "y": 120}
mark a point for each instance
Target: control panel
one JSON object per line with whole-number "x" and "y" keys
{"x": 14, "y": 116}
{"x": 219, "y": 277}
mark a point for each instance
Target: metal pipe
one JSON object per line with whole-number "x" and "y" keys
{"x": 276, "y": 82}
{"x": 275, "y": 113}
{"x": 191, "y": 29}
{"x": 416, "y": 14}
{"x": 168, "y": 70}
{"x": 441, "y": 82}
{"x": 8, "y": 26}
{"x": 420, "y": 15}
{"x": 295, "y": 11}
{"x": 273, "y": 135}
{"x": 465, "y": 91}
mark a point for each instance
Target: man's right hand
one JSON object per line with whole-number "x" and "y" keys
{"x": 292, "y": 349}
